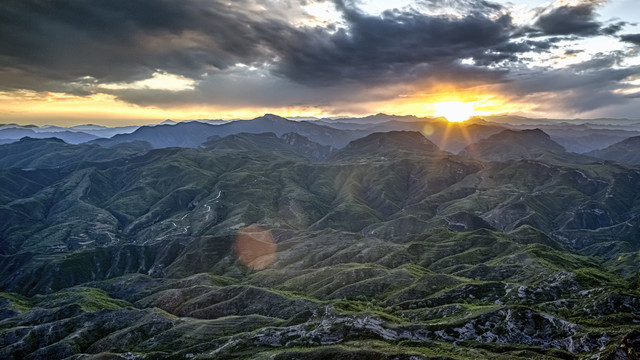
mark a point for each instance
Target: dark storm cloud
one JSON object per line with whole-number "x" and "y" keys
{"x": 76, "y": 46}
{"x": 631, "y": 38}
{"x": 399, "y": 46}
{"x": 61, "y": 40}
{"x": 52, "y": 45}
{"x": 570, "y": 20}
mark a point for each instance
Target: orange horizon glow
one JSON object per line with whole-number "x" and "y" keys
{"x": 482, "y": 100}
{"x": 50, "y": 108}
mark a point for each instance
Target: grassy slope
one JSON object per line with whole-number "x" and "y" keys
{"x": 129, "y": 256}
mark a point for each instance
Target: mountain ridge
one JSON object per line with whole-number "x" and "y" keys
{"x": 193, "y": 134}
{"x": 380, "y": 142}
{"x": 626, "y": 151}
{"x": 509, "y": 144}
{"x": 394, "y": 246}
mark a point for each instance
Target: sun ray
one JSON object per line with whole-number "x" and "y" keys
{"x": 464, "y": 130}
{"x": 445, "y": 135}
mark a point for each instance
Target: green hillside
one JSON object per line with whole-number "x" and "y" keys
{"x": 388, "y": 248}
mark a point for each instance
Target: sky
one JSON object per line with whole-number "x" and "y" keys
{"x": 123, "y": 62}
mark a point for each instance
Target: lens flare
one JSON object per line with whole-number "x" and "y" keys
{"x": 428, "y": 130}
{"x": 255, "y": 247}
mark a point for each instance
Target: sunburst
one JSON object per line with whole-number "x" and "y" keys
{"x": 455, "y": 111}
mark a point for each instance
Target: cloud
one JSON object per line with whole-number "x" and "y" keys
{"x": 124, "y": 41}
{"x": 570, "y": 20}
{"x": 577, "y": 89}
{"x": 395, "y": 46}
{"x": 89, "y": 46}
{"x": 158, "y": 81}
{"x": 250, "y": 52}
{"x": 614, "y": 28}
{"x": 54, "y": 43}
{"x": 632, "y": 38}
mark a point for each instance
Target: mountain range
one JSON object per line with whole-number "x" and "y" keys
{"x": 579, "y": 136}
{"x": 275, "y": 239}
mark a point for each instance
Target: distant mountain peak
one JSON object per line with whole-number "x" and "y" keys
{"x": 272, "y": 117}
{"x": 412, "y": 141}
{"x": 513, "y": 144}
{"x": 383, "y": 116}
{"x": 528, "y": 137}
{"x": 626, "y": 151}
{"x": 397, "y": 135}
{"x": 27, "y": 139}
{"x": 635, "y": 140}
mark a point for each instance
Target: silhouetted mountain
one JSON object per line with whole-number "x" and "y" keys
{"x": 454, "y": 137}
{"x": 375, "y": 119}
{"x": 103, "y": 131}
{"x": 17, "y": 133}
{"x": 591, "y": 141}
{"x": 346, "y": 125}
{"x": 186, "y": 134}
{"x": 193, "y": 134}
{"x": 582, "y": 138}
{"x": 448, "y": 136}
{"x": 626, "y": 151}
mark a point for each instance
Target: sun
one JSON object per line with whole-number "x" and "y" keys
{"x": 455, "y": 111}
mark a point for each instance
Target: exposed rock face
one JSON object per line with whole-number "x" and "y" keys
{"x": 306, "y": 147}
